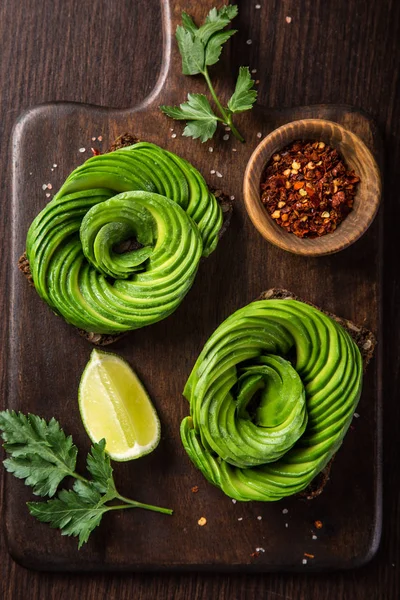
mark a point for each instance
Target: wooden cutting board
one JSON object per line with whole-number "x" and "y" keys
{"x": 47, "y": 356}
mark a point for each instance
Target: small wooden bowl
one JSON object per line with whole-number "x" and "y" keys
{"x": 357, "y": 157}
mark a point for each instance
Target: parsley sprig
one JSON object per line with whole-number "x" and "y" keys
{"x": 201, "y": 47}
{"x": 41, "y": 454}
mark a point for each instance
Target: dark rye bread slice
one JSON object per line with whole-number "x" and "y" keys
{"x": 104, "y": 339}
{"x": 366, "y": 342}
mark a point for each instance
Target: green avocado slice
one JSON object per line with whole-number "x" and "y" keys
{"x": 266, "y": 424}
{"x": 142, "y": 193}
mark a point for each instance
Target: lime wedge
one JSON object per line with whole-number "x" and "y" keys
{"x": 114, "y": 405}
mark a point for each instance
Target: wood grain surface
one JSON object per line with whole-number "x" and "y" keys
{"x": 321, "y": 56}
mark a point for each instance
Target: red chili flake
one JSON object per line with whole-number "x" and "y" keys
{"x": 254, "y": 554}
{"x": 195, "y": 489}
{"x": 318, "y": 524}
{"x": 308, "y": 555}
{"x": 95, "y": 152}
{"x": 308, "y": 189}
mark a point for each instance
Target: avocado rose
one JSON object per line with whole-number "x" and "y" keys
{"x": 271, "y": 396}
{"x": 141, "y": 193}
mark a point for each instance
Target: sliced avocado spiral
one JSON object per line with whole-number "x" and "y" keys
{"x": 140, "y": 192}
{"x": 260, "y": 427}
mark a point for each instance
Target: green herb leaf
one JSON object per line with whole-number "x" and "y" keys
{"x": 214, "y": 46}
{"x": 188, "y": 24}
{"x": 229, "y": 12}
{"x": 200, "y": 129}
{"x": 215, "y": 21}
{"x": 192, "y": 51}
{"x": 38, "y": 473}
{"x": 201, "y": 47}
{"x": 74, "y": 513}
{"x": 244, "y": 95}
{"x": 40, "y": 452}
{"x": 202, "y": 121}
{"x": 99, "y": 466}
{"x": 43, "y": 455}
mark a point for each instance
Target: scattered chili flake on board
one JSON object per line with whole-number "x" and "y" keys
{"x": 308, "y": 555}
{"x": 195, "y": 489}
{"x": 318, "y": 524}
{"x": 95, "y": 152}
{"x": 308, "y": 189}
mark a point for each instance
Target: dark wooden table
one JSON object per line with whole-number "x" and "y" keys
{"x": 109, "y": 53}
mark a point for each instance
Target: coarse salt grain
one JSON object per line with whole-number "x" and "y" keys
{"x": 226, "y": 137}
{"x": 48, "y": 195}
{"x": 51, "y": 169}
{"x": 286, "y": 524}
{"x": 254, "y": 70}
{"x": 249, "y": 42}
{"x": 304, "y": 561}
{"x": 212, "y": 171}
{"x": 259, "y": 134}
{"x": 259, "y": 517}
{"x": 218, "y": 174}
{"x": 171, "y": 128}
{"x": 285, "y": 511}
{"x": 234, "y": 150}
{"x": 49, "y": 186}
{"x": 93, "y": 139}
{"x": 44, "y": 186}
{"x": 232, "y": 197}
{"x": 173, "y": 135}
{"x": 258, "y": 6}
{"x": 356, "y": 415}
{"x": 240, "y": 519}
{"x": 211, "y": 149}
{"x": 55, "y": 165}
{"x": 100, "y": 138}
{"x": 30, "y": 173}
{"x": 260, "y": 550}
{"x": 227, "y": 128}
{"x": 314, "y": 537}
{"x": 288, "y": 19}
{"x": 233, "y": 501}
{"x": 82, "y": 149}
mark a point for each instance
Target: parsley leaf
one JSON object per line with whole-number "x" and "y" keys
{"x": 40, "y": 452}
{"x": 244, "y": 95}
{"x": 43, "y": 455}
{"x": 99, "y": 466}
{"x": 215, "y": 21}
{"x": 201, "y": 47}
{"x": 72, "y": 512}
{"x": 192, "y": 51}
{"x": 229, "y": 12}
{"x": 201, "y": 120}
{"x": 188, "y": 23}
{"x": 214, "y": 46}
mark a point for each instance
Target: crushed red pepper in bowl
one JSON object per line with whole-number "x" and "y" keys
{"x": 308, "y": 189}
